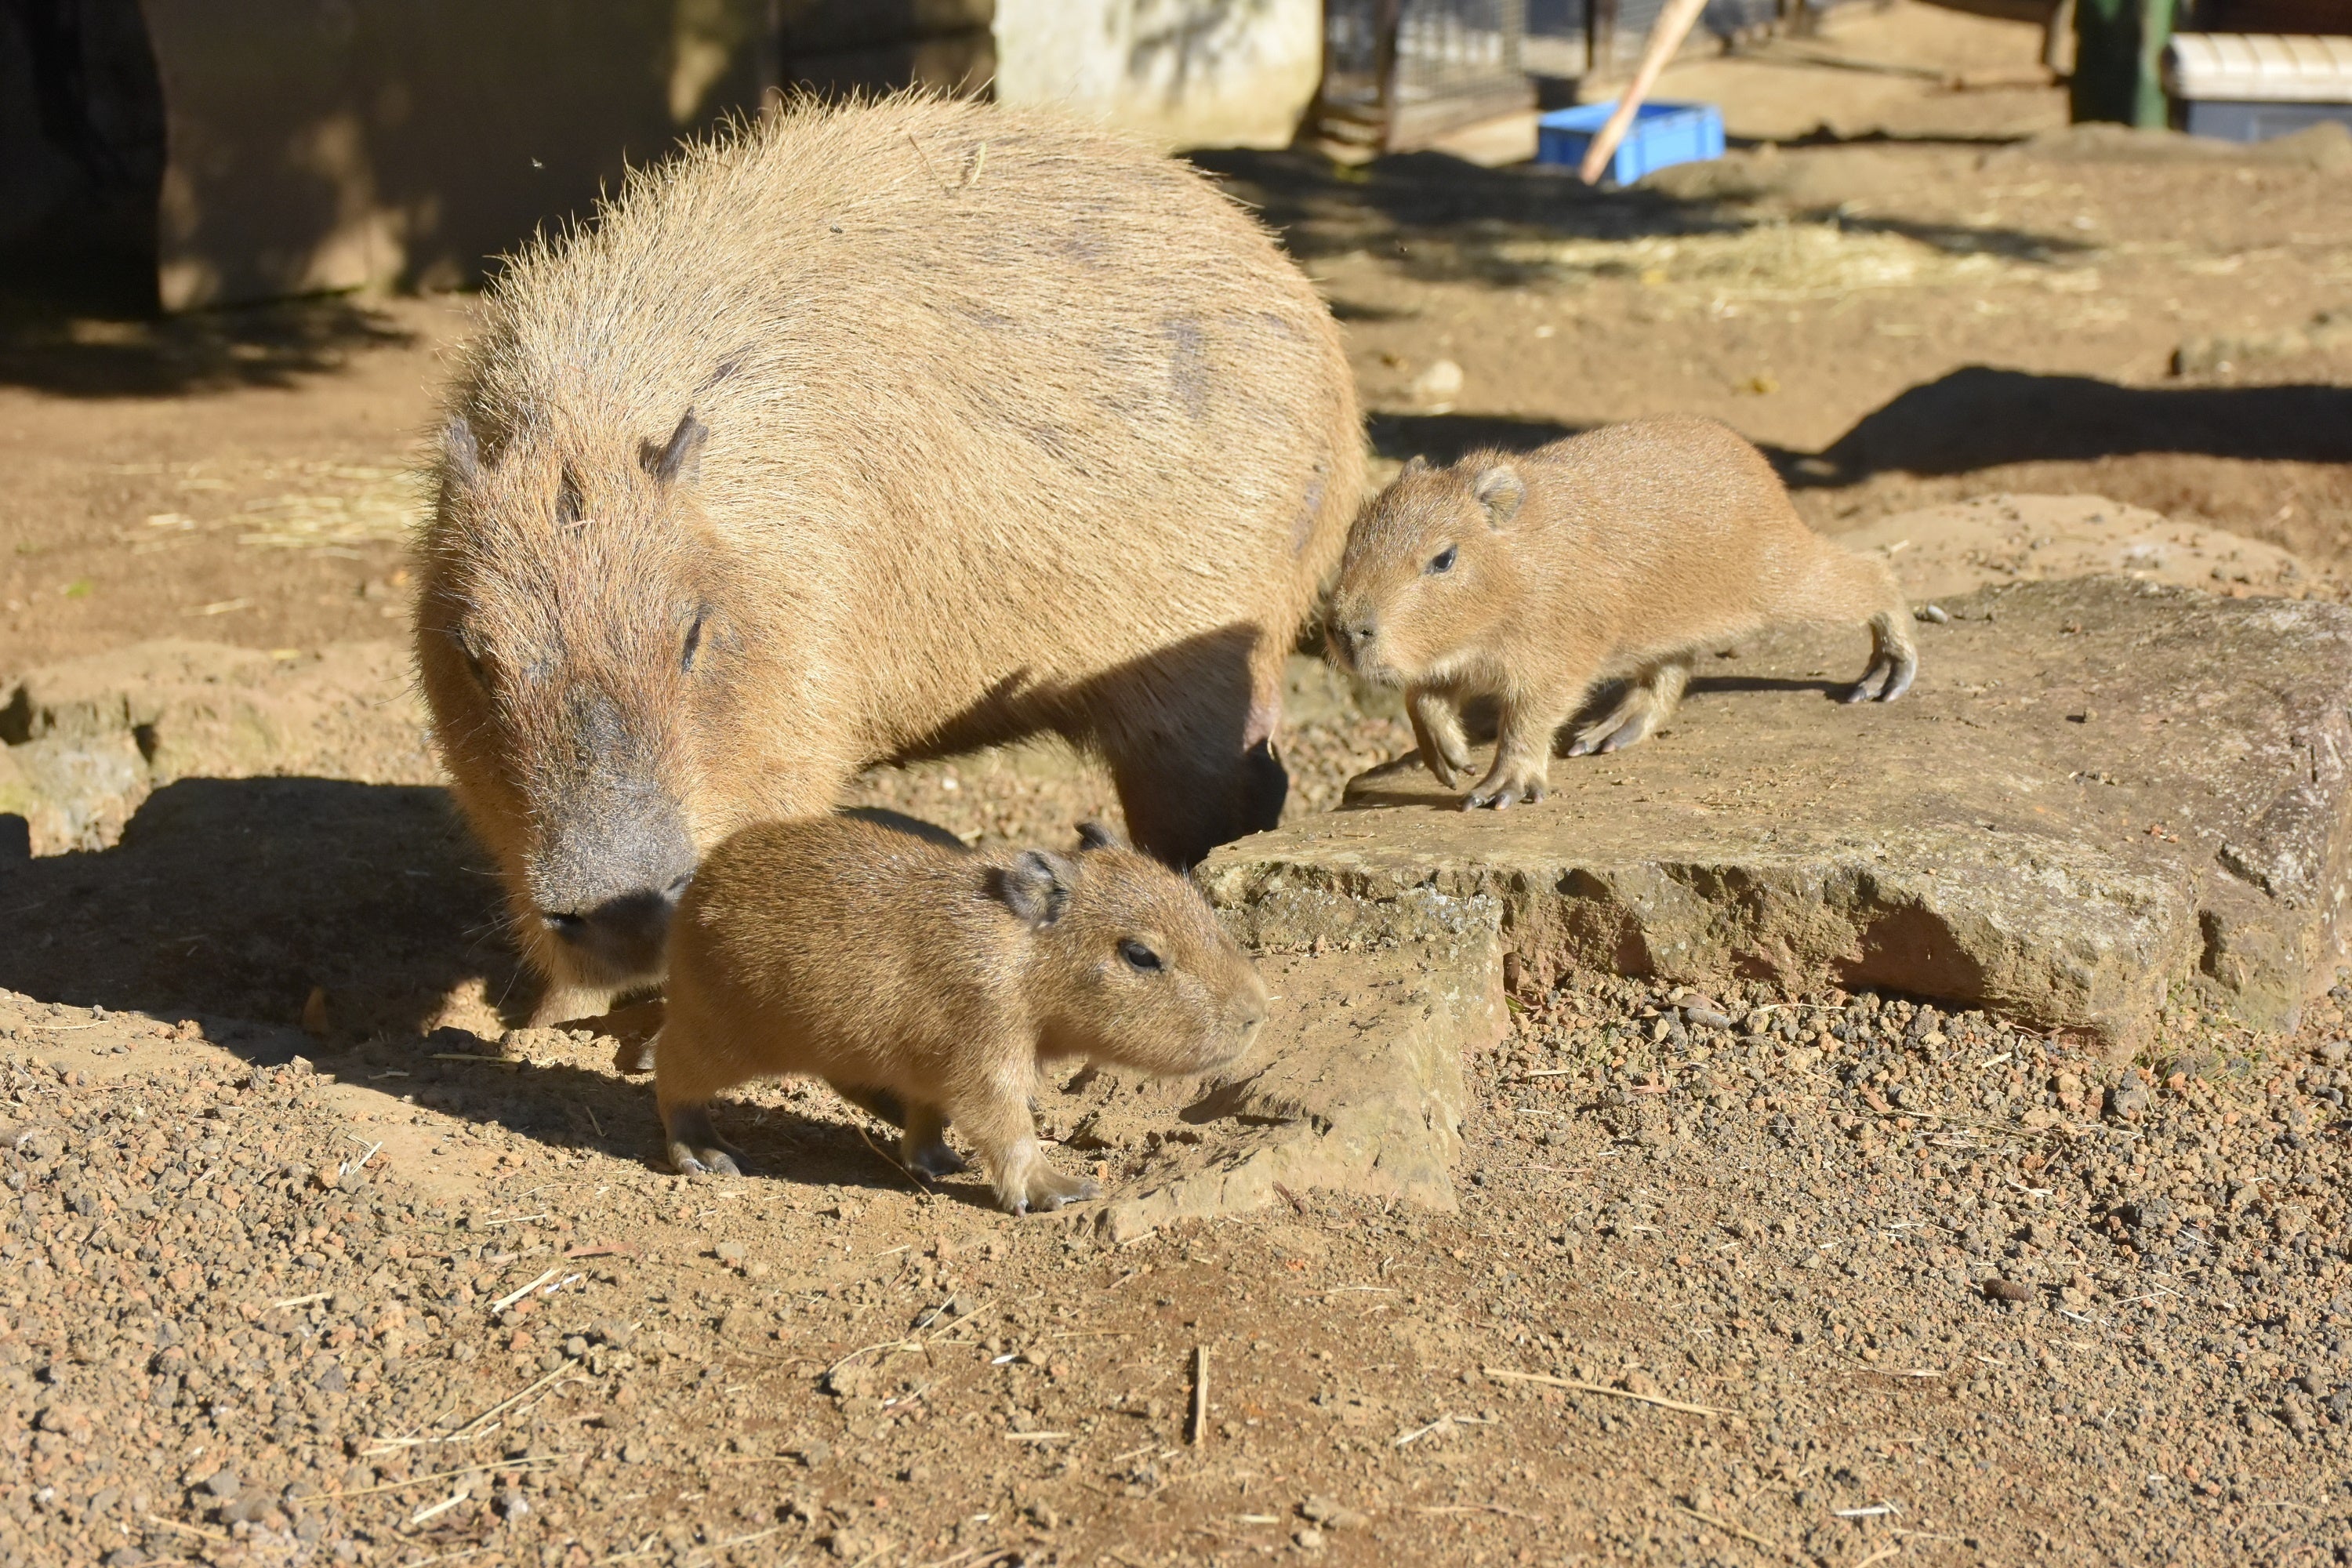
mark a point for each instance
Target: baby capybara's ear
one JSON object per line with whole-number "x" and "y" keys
{"x": 1416, "y": 464}
{"x": 1499, "y": 490}
{"x": 1036, "y": 887}
{"x": 1098, "y": 836}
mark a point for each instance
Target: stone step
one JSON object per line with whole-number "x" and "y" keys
{"x": 2101, "y": 792}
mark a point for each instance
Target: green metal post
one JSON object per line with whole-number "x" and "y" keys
{"x": 2118, "y": 60}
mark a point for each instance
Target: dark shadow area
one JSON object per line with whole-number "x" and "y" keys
{"x": 232, "y": 898}
{"x": 229, "y": 899}
{"x": 1325, "y": 209}
{"x": 1980, "y": 417}
{"x": 1701, "y": 685}
{"x": 1448, "y": 437}
{"x": 54, "y": 350}
{"x": 1442, "y": 218}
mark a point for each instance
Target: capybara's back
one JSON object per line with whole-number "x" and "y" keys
{"x": 870, "y": 433}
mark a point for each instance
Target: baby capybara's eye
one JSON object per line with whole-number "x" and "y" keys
{"x": 1443, "y": 560}
{"x": 1139, "y": 957}
{"x": 693, "y": 643}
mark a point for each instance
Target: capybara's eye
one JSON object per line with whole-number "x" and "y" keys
{"x": 1443, "y": 560}
{"x": 693, "y": 644}
{"x": 473, "y": 658}
{"x": 1139, "y": 957}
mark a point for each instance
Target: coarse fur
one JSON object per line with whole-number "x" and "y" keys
{"x": 870, "y": 432}
{"x": 1617, "y": 555}
{"x": 927, "y": 982}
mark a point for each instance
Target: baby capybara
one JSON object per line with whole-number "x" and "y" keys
{"x": 1615, "y": 555}
{"x": 927, "y": 982}
{"x": 865, "y": 432}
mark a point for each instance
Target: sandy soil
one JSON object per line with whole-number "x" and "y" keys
{"x": 259, "y": 1308}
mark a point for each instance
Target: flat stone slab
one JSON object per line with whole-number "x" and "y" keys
{"x": 1358, "y": 1089}
{"x": 2100, "y": 791}
{"x": 1958, "y": 547}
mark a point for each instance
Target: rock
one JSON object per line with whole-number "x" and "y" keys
{"x": 1436, "y": 387}
{"x": 1943, "y": 552}
{"x": 731, "y": 1253}
{"x": 2332, "y": 1053}
{"x": 2127, "y": 1101}
{"x": 1705, "y": 1017}
{"x": 66, "y": 1420}
{"x": 1970, "y": 844}
{"x": 1309, "y": 1539}
{"x": 1997, "y": 1289}
{"x": 222, "y": 1483}
{"x": 1355, "y": 1086}
{"x": 87, "y": 740}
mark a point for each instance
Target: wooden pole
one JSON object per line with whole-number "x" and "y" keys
{"x": 1667, "y": 35}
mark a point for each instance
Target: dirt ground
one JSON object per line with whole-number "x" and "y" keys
{"x": 1717, "y": 1288}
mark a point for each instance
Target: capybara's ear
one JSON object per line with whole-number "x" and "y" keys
{"x": 1036, "y": 887}
{"x": 1416, "y": 464}
{"x": 1500, "y": 490}
{"x": 679, "y": 458}
{"x": 464, "y": 453}
{"x": 1098, "y": 835}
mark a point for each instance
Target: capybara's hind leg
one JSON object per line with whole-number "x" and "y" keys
{"x": 1650, "y": 700}
{"x": 1894, "y": 659}
{"x": 695, "y": 1147}
{"x": 1841, "y": 587}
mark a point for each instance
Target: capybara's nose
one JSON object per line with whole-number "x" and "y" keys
{"x": 626, "y": 932}
{"x": 1354, "y": 636}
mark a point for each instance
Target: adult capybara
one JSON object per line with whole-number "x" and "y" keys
{"x": 927, "y": 982}
{"x": 1613, "y": 556}
{"x": 867, "y": 432}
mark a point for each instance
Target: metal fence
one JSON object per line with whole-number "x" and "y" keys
{"x": 1402, "y": 71}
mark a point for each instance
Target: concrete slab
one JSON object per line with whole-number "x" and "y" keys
{"x": 2100, "y": 792}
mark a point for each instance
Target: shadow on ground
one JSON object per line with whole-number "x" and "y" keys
{"x": 72, "y": 355}
{"x": 229, "y": 899}
{"x": 1981, "y": 418}
{"x": 233, "y": 897}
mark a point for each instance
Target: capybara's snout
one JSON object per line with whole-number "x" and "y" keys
{"x": 606, "y": 888}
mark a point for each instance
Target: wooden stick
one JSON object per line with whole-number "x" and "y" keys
{"x": 1667, "y": 35}
{"x": 1504, "y": 1375}
{"x": 1728, "y": 1528}
{"x": 1200, "y": 1394}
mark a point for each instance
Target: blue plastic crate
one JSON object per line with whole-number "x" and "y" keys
{"x": 1662, "y": 134}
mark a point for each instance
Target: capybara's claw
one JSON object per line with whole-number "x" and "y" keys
{"x": 704, "y": 1162}
{"x": 1884, "y": 681}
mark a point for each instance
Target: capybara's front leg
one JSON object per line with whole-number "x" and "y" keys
{"x": 1522, "y": 765}
{"x": 695, "y": 1147}
{"x": 1437, "y": 730}
{"x": 997, "y": 1120}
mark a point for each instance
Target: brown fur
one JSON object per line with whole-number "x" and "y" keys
{"x": 1615, "y": 555}
{"x": 841, "y": 439}
{"x": 927, "y": 982}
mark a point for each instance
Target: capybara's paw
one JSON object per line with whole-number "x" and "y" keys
{"x": 1047, "y": 1190}
{"x": 935, "y": 1159}
{"x": 1503, "y": 790}
{"x": 634, "y": 1056}
{"x": 1888, "y": 678}
{"x": 709, "y": 1161}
